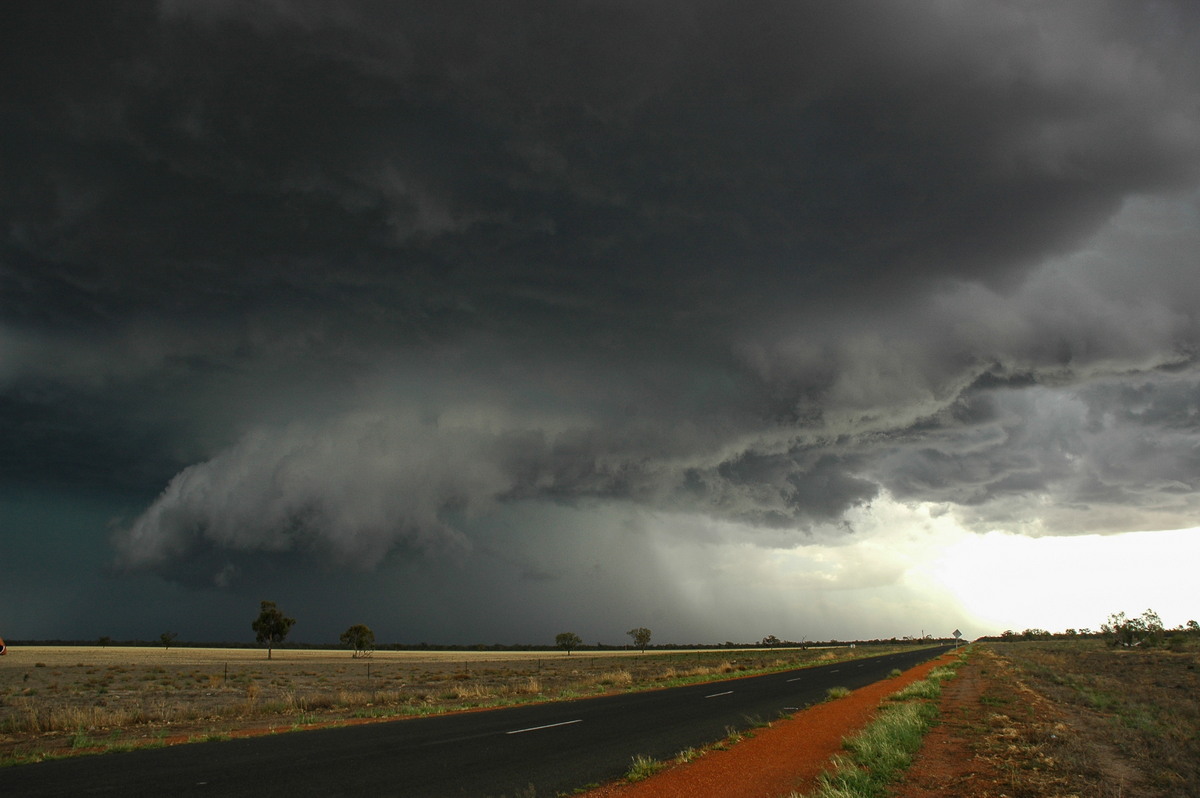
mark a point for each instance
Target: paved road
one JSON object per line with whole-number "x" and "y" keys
{"x": 552, "y": 748}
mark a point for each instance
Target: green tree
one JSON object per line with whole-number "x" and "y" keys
{"x": 167, "y": 638}
{"x": 360, "y": 638}
{"x": 567, "y": 641}
{"x": 1118, "y": 629}
{"x": 271, "y": 626}
{"x": 641, "y": 637}
{"x": 1144, "y": 630}
{"x": 1153, "y": 626}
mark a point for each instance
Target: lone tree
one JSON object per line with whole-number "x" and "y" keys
{"x": 567, "y": 641}
{"x": 167, "y": 638}
{"x": 641, "y": 637}
{"x": 271, "y": 626}
{"x": 360, "y": 638}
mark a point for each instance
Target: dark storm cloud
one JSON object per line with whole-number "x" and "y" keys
{"x": 359, "y": 273}
{"x": 1105, "y": 455}
{"x": 575, "y": 155}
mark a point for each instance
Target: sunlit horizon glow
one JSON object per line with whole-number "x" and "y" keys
{"x": 1012, "y": 582}
{"x": 909, "y": 570}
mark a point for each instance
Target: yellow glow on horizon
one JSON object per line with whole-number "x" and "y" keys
{"x": 1054, "y": 583}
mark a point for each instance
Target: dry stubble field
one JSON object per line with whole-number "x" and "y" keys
{"x": 73, "y": 699}
{"x": 1061, "y": 719}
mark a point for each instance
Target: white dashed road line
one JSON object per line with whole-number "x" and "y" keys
{"x": 547, "y": 726}
{"x": 714, "y": 695}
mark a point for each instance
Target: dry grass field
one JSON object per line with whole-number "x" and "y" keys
{"x": 1133, "y": 715}
{"x": 74, "y": 699}
{"x": 1066, "y": 718}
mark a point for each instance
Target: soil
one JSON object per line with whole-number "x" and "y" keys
{"x": 785, "y": 757}
{"x": 948, "y": 763}
{"x": 997, "y": 737}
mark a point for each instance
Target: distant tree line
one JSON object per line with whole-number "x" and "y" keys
{"x": 427, "y": 646}
{"x": 272, "y": 627}
{"x": 1120, "y": 630}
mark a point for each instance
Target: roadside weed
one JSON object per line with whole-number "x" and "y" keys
{"x": 643, "y": 767}
{"x": 926, "y": 688}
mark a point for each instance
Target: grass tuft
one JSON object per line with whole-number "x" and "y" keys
{"x": 926, "y": 688}
{"x": 643, "y": 767}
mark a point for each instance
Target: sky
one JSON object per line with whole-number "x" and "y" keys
{"x": 478, "y": 322}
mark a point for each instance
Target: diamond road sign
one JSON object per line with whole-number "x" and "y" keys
{"x": 957, "y": 634}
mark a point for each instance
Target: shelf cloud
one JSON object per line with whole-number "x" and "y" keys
{"x": 356, "y": 283}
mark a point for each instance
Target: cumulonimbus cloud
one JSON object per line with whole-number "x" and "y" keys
{"x": 762, "y": 263}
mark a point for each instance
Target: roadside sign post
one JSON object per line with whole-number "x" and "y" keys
{"x": 957, "y": 635}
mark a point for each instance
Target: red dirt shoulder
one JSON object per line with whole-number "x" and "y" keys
{"x": 787, "y": 756}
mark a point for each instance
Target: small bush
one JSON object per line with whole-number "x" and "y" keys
{"x": 618, "y": 678}
{"x": 471, "y": 692}
{"x": 836, "y": 692}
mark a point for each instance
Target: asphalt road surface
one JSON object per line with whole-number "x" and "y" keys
{"x": 551, "y": 748}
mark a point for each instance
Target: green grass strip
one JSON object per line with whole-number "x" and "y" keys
{"x": 878, "y": 754}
